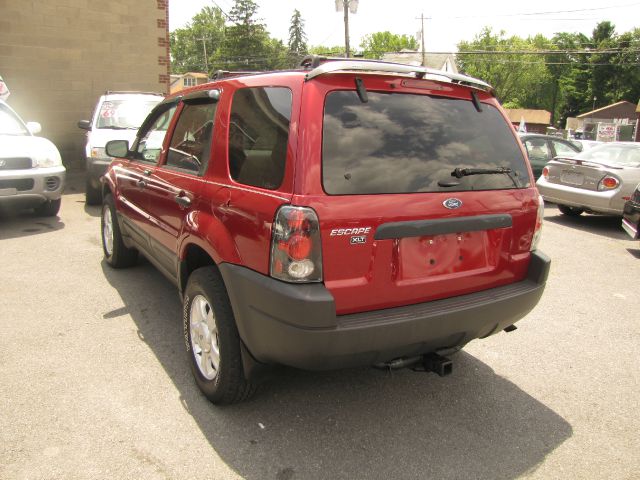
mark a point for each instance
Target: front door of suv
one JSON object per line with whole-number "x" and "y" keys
{"x": 134, "y": 175}
{"x": 174, "y": 186}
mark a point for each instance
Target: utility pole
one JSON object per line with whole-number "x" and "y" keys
{"x": 347, "y": 5}
{"x": 346, "y": 27}
{"x": 422, "y": 18}
{"x": 206, "y": 60}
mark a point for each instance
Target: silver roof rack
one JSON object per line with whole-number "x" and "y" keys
{"x": 340, "y": 65}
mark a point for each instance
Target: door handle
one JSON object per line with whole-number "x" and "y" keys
{"x": 141, "y": 184}
{"x": 183, "y": 200}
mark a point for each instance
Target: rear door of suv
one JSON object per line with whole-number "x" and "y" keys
{"x": 401, "y": 222}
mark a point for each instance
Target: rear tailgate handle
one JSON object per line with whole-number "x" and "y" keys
{"x": 183, "y": 200}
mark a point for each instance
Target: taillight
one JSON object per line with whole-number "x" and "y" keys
{"x": 608, "y": 183}
{"x": 545, "y": 172}
{"x": 537, "y": 233}
{"x": 296, "y": 254}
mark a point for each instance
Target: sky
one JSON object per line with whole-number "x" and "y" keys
{"x": 448, "y": 23}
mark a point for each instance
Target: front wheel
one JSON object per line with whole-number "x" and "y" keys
{"x": 571, "y": 211}
{"x": 212, "y": 340}
{"x": 115, "y": 251}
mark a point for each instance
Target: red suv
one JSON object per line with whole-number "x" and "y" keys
{"x": 349, "y": 213}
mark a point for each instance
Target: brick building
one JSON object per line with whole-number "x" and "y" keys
{"x": 58, "y": 56}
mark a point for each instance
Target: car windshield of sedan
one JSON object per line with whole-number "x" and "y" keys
{"x": 10, "y": 124}
{"x": 614, "y": 155}
{"x": 124, "y": 114}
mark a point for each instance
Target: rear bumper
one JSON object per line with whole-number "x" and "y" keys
{"x": 609, "y": 202}
{"x": 296, "y": 325}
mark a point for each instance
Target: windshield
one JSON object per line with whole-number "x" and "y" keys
{"x": 10, "y": 124}
{"x": 615, "y": 155}
{"x": 124, "y": 114}
{"x": 402, "y": 143}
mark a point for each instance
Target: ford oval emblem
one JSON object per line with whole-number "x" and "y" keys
{"x": 452, "y": 203}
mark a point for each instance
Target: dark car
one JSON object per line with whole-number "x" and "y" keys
{"x": 543, "y": 148}
{"x": 349, "y": 213}
{"x": 631, "y": 215}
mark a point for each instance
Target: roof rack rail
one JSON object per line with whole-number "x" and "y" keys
{"x": 220, "y": 74}
{"x": 119, "y": 92}
{"x": 323, "y": 65}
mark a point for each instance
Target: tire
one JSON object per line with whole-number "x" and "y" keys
{"x": 570, "y": 211}
{"x": 50, "y": 208}
{"x": 211, "y": 339}
{"x": 115, "y": 252}
{"x": 93, "y": 196}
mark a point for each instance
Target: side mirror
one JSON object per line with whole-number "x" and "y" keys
{"x": 84, "y": 124}
{"x": 34, "y": 127}
{"x": 117, "y": 148}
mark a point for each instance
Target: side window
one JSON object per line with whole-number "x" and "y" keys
{"x": 190, "y": 145}
{"x": 258, "y": 135}
{"x": 538, "y": 150}
{"x": 149, "y": 142}
{"x": 563, "y": 150}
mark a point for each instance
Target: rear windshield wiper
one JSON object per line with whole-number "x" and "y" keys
{"x": 463, "y": 172}
{"x": 116, "y": 127}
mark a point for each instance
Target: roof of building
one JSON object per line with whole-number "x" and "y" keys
{"x": 541, "y": 117}
{"x": 593, "y": 113}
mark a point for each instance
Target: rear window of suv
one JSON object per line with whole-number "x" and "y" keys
{"x": 405, "y": 143}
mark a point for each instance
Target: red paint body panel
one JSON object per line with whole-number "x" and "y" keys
{"x": 233, "y": 222}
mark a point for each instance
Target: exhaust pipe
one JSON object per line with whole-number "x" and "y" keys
{"x": 432, "y": 362}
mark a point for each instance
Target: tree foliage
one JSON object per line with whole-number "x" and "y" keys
{"x": 297, "y": 37}
{"x": 205, "y": 32}
{"x": 237, "y": 41}
{"x": 568, "y": 74}
{"x": 377, "y": 44}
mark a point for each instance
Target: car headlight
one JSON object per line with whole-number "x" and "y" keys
{"x": 49, "y": 161}
{"x": 97, "y": 152}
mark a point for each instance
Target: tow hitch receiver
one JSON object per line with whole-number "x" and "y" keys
{"x": 432, "y": 362}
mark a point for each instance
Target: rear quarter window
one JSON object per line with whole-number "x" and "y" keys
{"x": 406, "y": 143}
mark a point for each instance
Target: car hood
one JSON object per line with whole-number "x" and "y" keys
{"x": 37, "y": 148}
{"x": 98, "y": 137}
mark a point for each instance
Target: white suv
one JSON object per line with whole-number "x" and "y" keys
{"x": 117, "y": 115}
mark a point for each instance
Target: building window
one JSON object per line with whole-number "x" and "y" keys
{"x": 189, "y": 81}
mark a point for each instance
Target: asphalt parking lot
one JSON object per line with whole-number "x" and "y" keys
{"x": 94, "y": 382}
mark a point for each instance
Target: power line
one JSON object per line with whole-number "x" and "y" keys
{"x": 528, "y": 14}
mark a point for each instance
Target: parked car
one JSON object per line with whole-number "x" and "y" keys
{"x": 31, "y": 170}
{"x": 348, "y": 213}
{"x": 598, "y": 180}
{"x": 631, "y": 214}
{"x": 117, "y": 115}
{"x": 542, "y": 148}
{"x": 585, "y": 144}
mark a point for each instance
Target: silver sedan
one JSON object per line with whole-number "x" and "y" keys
{"x": 599, "y": 180}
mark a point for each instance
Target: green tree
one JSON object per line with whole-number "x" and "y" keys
{"x": 246, "y": 45}
{"x": 205, "y": 33}
{"x": 334, "y": 51}
{"x": 297, "y": 37}
{"x": 510, "y": 65}
{"x": 377, "y": 44}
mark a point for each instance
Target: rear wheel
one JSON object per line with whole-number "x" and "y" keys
{"x": 571, "y": 211}
{"x": 212, "y": 340}
{"x": 50, "y": 208}
{"x": 115, "y": 251}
